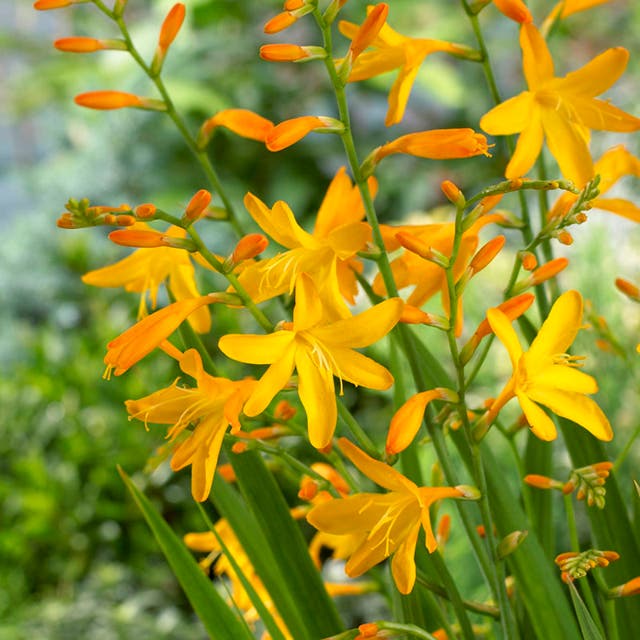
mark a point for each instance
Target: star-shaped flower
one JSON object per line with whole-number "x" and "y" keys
{"x": 560, "y": 110}
{"x": 546, "y": 375}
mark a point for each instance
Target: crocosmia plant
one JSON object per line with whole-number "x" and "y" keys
{"x": 367, "y": 459}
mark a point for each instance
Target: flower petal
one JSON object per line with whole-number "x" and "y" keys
{"x": 541, "y": 424}
{"x": 349, "y": 239}
{"x": 576, "y": 407}
{"x": 256, "y": 349}
{"x": 511, "y": 116}
{"x": 501, "y": 326}
{"x": 536, "y": 58}
{"x": 360, "y": 370}
{"x": 406, "y": 421}
{"x": 403, "y": 564}
{"x": 565, "y": 378}
{"x": 528, "y": 148}
{"x": 317, "y": 394}
{"x": 602, "y": 116}
{"x": 597, "y": 75}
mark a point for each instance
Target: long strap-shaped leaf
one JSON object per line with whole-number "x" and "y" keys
{"x": 216, "y": 616}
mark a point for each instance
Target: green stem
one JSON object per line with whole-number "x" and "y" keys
{"x": 625, "y": 450}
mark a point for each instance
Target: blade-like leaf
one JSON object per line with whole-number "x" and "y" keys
{"x": 216, "y": 616}
{"x": 588, "y": 627}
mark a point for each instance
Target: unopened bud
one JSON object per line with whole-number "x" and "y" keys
{"x": 145, "y": 211}
{"x": 368, "y": 630}
{"x": 249, "y": 247}
{"x": 486, "y": 254}
{"x": 168, "y": 32}
{"x": 528, "y": 260}
{"x": 413, "y": 315}
{"x": 444, "y": 529}
{"x": 125, "y": 220}
{"x": 467, "y": 492}
{"x": 107, "y": 100}
{"x": 46, "y": 5}
{"x": 422, "y": 249}
{"x": 291, "y": 53}
{"x": 78, "y": 44}
{"x": 369, "y": 29}
{"x": 453, "y": 193}
{"x": 629, "y": 289}
{"x": 288, "y": 132}
{"x": 239, "y": 447}
{"x": 197, "y": 206}
{"x": 284, "y": 411}
{"x": 308, "y": 489}
{"x": 542, "y": 482}
{"x": 564, "y": 237}
{"x": 629, "y": 588}
{"x": 510, "y": 543}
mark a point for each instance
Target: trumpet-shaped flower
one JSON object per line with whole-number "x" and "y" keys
{"x": 327, "y": 255}
{"x": 387, "y": 523}
{"x": 560, "y": 110}
{"x": 146, "y": 269}
{"x": 318, "y": 350}
{"x": 611, "y": 167}
{"x": 545, "y": 375}
{"x": 392, "y": 50}
{"x": 427, "y": 277}
{"x": 211, "y": 406}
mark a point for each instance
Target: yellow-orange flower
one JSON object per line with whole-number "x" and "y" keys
{"x": 212, "y": 406}
{"x": 546, "y": 375}
{"x": 560, "y": 110}
{"x": 387, "y": 524}
{"x": 318, "y": 350}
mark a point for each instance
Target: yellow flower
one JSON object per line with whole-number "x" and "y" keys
{"x": 546, "y": 375}
{"x": 560, "y": 110}
{"x": 146, "y": 269}
{"x": 211, "y": 406}
{"x": 318, "y": 351}
{"x": 328, "y": 254}
{"x": 386, "y": 523}
{"x": 394, "y": 51}
{"x": 515, "y": 9}
{"x": 613, "y": 165}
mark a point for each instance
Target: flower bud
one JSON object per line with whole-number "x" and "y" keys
{"x": 528, "y": 260}
{"x": 629, "y": 588}
{"x": 249, "y": 247}
{"x": 46, "y": 5}
{"x": 106, "y": 100}
{"x": 145, "y": 211}
{"x": 197, "y": 206}
{"x": 291, "y": 53}
{"x": 510, "y": 543}
{"x": 629, "y": 289}
{"x": 486, "y": 254}
{"x": 78, "y": 44}
{"x": 453, "y": 193}
{"x": 288, "y": 132}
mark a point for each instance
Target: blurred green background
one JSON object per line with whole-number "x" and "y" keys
{"x": 76, "y": 560}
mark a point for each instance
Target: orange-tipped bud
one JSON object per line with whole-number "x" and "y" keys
{"x": 510, "y": 543}
{"x": 308, "y": 489}
{"x": 293, "y": 5}
{"x": 138, "y": 238}
{"x": 548, "y": 270}
{"x": 486, "y": 254}
{"x": 452, "y": 193}
{"x": 630, "y": 588}
{"x": 106, "y": 100}
{"x": 242, "y": 122}
{"x": 284, "y": 411}
{"x": 369, "y": 29}
{"x": 171, "y": 26}
{"x": 264, "y": 433}
{"x": 444, "y": 529}
{"x": 514, "y": 9}
{"x": 630, "y": 290}
{"x": 197, "y": 205}
{"x": 289, "y": 132}
{"x": 46, "y": 5}
{"x": 125, "y": 220}
{"x": 290, "y": 52}
{"x": 528, "y": 260}
{"x": 437, "y": 144}
{"x": 78, "y": 44}
{"x": 413, "y": 315}
{"x": 249, "y": 247}
{"x": 280, "y": 22}
{"x": 145, "y": 211}
{"x": 227, "y": 472}
{"x": 512, "y": 308}
{"x": 564, "y": 237}
{"x": 542, "y": 482}
{"x": 330, "y": 474}
{"x": 239, "y": 447}
{"x": 368, "y": 630}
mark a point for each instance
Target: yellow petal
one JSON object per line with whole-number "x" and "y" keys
{"x": 308, "y": 311}
{"x": 403, "y": 564}
{"x": 379, "y": 472}
{"x": 602, "y": 116}
{"x": 563, "y": 377}
{"x": 374, "y": 63}
{"x": 279, "y": 223}
{"x": 344, "y": 516}
{"x": 541, "y": 424}
{"x": 568, "y": 144}
{"x": 623, "y": 208}
{"x": 132, "y": 270}
{"x": 364, "y": 329}
{"x": 255, "y": 349}
{"x": 597, "y": 75}
{"x": 528, "y": 148}
{"x": 349, "y": 239}
{"x": 559, "y": 330}
{"x": 613, "y": 165}
{"x": 576, "y": 407}
{"x": 164, "y": 406}
{"x": 511, "y": 116}
{"x": 360, "y": 370}
{"x": 274, "y": 379}
{"x": 317, "y": 394}
{"x": 406, "y": 422}
{"x": 536, "y": 58}
{"x": 182, "y": 285}
{"x": 399, "y": 94}
{"x": 501, "y": 326}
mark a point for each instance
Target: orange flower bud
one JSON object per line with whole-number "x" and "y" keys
{"x": 514, "y": 9}
{"x": 286, "y": 133}
{"x": 444, "y": 529}
{"x": 415, "y": 245}
{"x": 564, "y": 237}
{"x": 548, "y": 270}
{"x": 292, "y": 5}
{"x": 283, "y": 52}
{"x": 227, "y": 472}
{"x": 630, "y": 290}
{"x": 197, "y": 205}
{"x": 630, "y": 588}
{"x": 542, "y": 482}
{"x": 528, "y": 260}
{"x": 249, "y": 247}
{"x": 437, "y": 144}
{"x": 512, "y": 308}
{"x": 280, "y": 22}
{"x": 171, "y": 26}
{"x": 452, "y": 192}
{"x": 144, "y": 211}
{"x": 125, "y": 220}
{"x": 486, "y": 254}
{"x": 308, "y": 489}
{"x": 239, "y": 447}
{"x": 284, "y": 411}
{"x": 331, "y": 475}
{"x": 80, "y": 44}
{"x": 46, "y": 5}
{"x": 368, "y": 630}
{"x": 369, "y": 29}
{"x": 137, "y": 238}
{"x": 242, "y": 122}
{"x": 413, "y": 315}
{"x": 108, "y": 100}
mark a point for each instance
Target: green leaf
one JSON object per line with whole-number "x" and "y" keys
{"x": 588, "y": 627}
{"x": 218, "y": 619}
{"x": 287, "y": 545}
